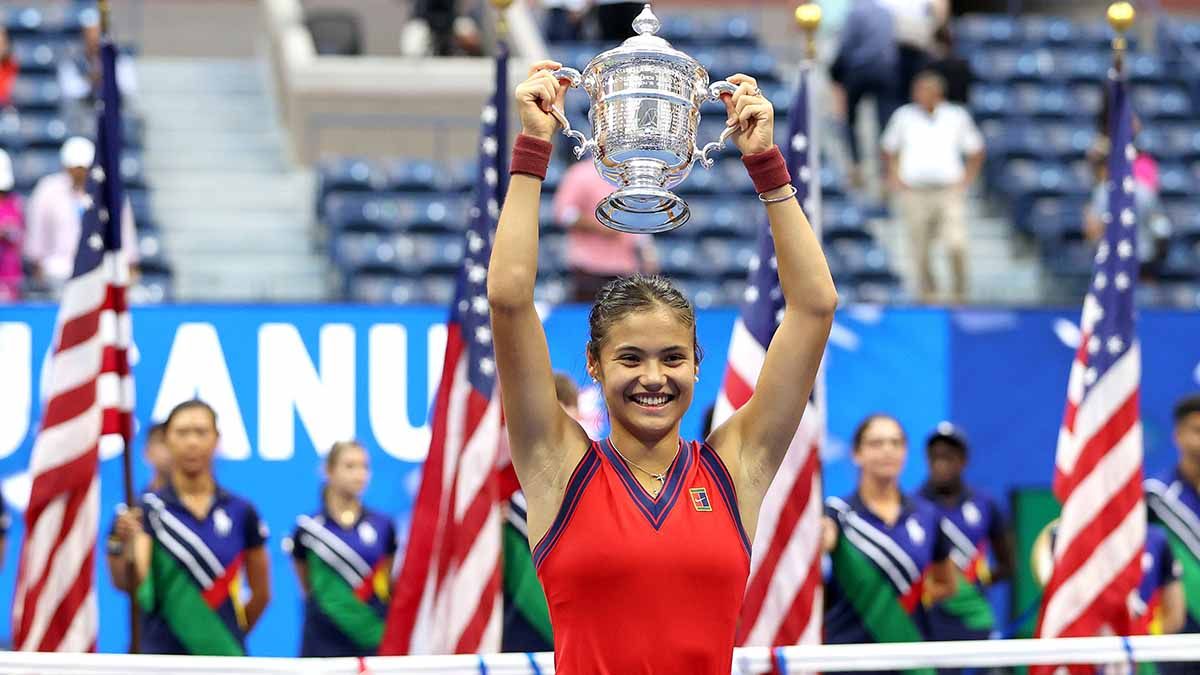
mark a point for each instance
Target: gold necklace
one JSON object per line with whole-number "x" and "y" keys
{"x": 660, "y": 477}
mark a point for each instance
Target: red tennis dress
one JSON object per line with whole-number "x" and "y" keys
{"x": 638, "y": 584}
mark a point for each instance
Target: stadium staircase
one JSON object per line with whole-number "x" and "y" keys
{"x": 231, "y": 204}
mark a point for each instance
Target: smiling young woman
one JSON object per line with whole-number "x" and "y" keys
{"x": 642, "y": 541}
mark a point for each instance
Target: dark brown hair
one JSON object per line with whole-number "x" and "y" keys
{"x": 638, "y": 293}
{"x": 1186, "y": 406}
{"x": 866, "y": 423}
{"x": 193, "y": 404}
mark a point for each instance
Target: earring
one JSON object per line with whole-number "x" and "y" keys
{"x": 697, "y": 378}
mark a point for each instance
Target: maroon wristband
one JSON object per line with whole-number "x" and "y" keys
{"x": 530, "y": 156}
{"x": 767, "y": 169}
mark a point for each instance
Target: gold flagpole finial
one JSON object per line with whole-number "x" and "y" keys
{"x": 1120, "y": 16}
{"x": 501, "y": 7}
{"x": 103, "y": 8}
{"x": 808, "y": 18}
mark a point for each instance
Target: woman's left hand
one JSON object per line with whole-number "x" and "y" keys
{"x": 752, "y": 114}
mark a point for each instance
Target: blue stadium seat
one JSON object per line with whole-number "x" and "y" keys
{"x": 703, "y": 293}
{"x": 378, "y": 288}
{"x": 552, "y": 255}
{"x": 36, "y": 55}
{"x": 680, "y": 258}
{"x": 152, "y": 288}
{"x": 1049, "y": 217}
{"x": 1183, "y": 214}
{"x": 36, "y": 94}
{"x": 1070, "y": 256}
{"x": 350, "y": 174}
{"x": 987, "y": 29}
{"x": 31, "y": 165}
{"x": 988, "y": 100}
{"x": 152, "y": 258}
{"x": 1038, "y": 30}
{"x": 1162, "y": 102}
{"x": 1176, "y": 180}
{"x": 41, "y": 132}
{"x": 139, "y": 203}
{"x": 1183, "y": 259}
{"x": 357, "y": 252}
{"x": 438, "y": 289}
{"x": 361, "y": 212}
{"x": 553, "y": 291}
{"x": 1147, "y": 69}
{"x": 727, "y": 257}
{"x": 413, "y": 175}
{"x": 995, "y": 65}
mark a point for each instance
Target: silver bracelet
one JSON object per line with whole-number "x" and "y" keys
{"x": 776, "y": 200}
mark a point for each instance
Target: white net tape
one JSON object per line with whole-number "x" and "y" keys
{"x": 1120, "y": 652}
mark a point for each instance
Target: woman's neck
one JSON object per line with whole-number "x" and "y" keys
{"x": 883, "y": 492}
{"x": 651, "y": 452}
{"x": 193, "y": 485}
{"x": 339, "y": 504}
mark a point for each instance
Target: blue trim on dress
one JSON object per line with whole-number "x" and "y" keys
{"x": 584, "y": 471}
{"x": 720, "y": 473}
{"x": 655, "y": 509}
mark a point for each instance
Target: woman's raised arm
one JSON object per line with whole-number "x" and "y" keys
{"x": 542, "y": 436}
{"x": 757, "y": 436}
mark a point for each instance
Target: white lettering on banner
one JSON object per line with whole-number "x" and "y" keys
{"x": 288, "y": 381}
{"x": 16, "y": 384}
{"x": 196, "y": 368}
{"x": 388, "y": 379}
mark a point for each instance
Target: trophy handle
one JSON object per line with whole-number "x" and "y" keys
{"x": 716, "y": 91}
{"x": 573, "y": 79}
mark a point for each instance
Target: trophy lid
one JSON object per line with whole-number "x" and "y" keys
{"x": 646, "y": 26}
{"x": 646, "y": 41}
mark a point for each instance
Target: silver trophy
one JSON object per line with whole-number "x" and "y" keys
{"x": 645, "y": 111}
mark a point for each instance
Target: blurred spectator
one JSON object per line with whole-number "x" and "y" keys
{"x": 954, "y": 69}
{"x": 9, "y": 68}
{"x": 79, "y": 74}
{"x": 595, "y": 254}
{"x": 53, "y": 219}
{"x": 916, "y": 23}
{"x": 924, "y": 145}
{"x": 982, "y": 547}
{"x": 563, "y": 19}
{"x": 614, "y": 18}
{"x": 439, "y": 28}
{"x": 12, "y": 233}
{"x": 865, "y": 66}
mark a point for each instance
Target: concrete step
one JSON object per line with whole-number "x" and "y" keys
{"x": 257, "y": 276}
{"x": 207, "y": 159}
{"x": 230, "y": 143}
{"x": 275, "y": 223}
{"x": 217, "y": 241}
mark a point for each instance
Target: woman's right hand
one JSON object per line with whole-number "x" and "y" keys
{"x": 129, "y": 524}
{"x": 536, "y": 95}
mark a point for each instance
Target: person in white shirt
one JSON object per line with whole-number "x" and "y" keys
{"x": 54, "y": 217}
{"x": 924, "y": 146}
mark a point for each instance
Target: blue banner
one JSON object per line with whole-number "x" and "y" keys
{"x": 287, "y": 381}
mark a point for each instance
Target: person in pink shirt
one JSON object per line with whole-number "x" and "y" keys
{"x": 54, "y": 217}
{"x": 596, "y": 254}
{"x": 12, "y": 233}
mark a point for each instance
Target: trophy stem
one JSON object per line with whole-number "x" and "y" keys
{"x": 642, "y": 204}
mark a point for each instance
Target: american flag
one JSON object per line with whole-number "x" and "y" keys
{"x": 90, "y": 403}
{"x": 446, "y": 598}
{"x": 783, "y": 596}
{"x": 1098, "y": 467}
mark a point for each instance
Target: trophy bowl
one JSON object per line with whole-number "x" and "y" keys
{"x": 645, "y": 112}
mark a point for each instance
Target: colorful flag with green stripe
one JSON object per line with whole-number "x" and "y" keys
{"x": 882, "y": 610}
{"x": 349, "y": 608}
{"x": 191, "y": 613}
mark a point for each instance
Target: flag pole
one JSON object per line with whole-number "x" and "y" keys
{"x": 808, "y": 19}
{"x": 135, "y": 634}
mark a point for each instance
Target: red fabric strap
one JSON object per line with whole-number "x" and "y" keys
{"x": 530, "y": 156}
{"x": 767, "y": 169}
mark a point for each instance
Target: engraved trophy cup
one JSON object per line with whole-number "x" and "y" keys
{"x": 645, "y": 111}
